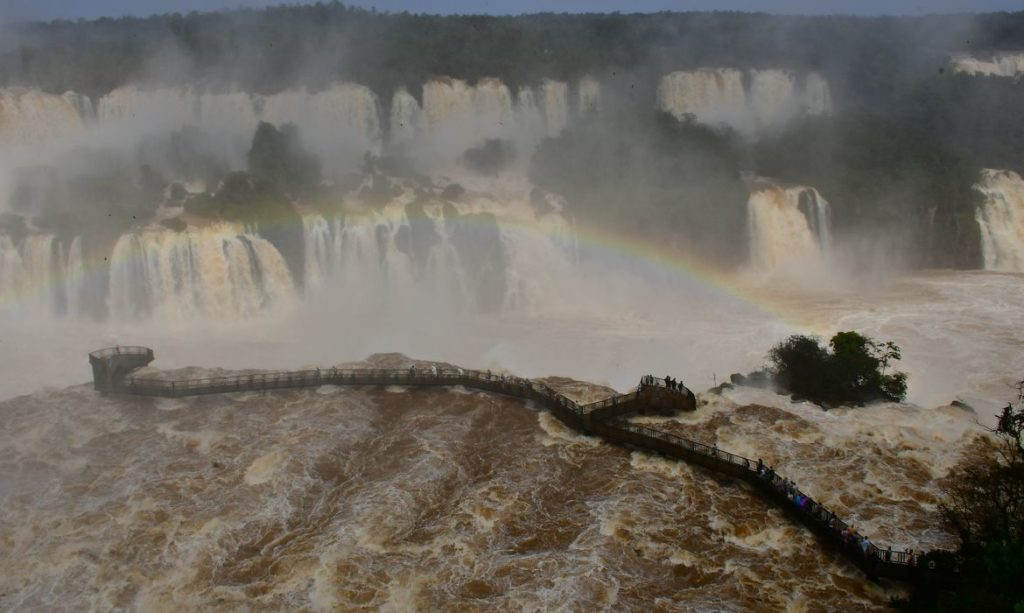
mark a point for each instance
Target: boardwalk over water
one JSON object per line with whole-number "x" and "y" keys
{"x": 112, "y": 372}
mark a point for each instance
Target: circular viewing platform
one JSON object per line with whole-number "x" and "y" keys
{"x": 111, "y": 365}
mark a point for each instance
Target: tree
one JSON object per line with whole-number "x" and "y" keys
{"x": 984, "y": 506}
{"x": 851, "y": 369}
{"x": 278, "y": 156}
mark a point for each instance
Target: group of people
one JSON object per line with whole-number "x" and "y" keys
{"x": 434, "y": 371}
{"x": 807, "y": 504}
{"x": 652, "y": 381}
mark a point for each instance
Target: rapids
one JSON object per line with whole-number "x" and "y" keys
{"x": 415, "y": 499}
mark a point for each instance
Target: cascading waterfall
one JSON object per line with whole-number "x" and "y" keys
{"x": 749, "y": 101}
{"x": 998, "y": 65}
{"x": 29, "y": 117}
{"x": 588, "y": 96}
{"x": 356, "y": 258}
{"x": 219, "y": 271}
{"x": 12, "y": 270}
{"x": 1001, "y": 220}
{"x": 817, "y": 95}
{"x": 555, "y": 97}
{"x": 74, "y": 278}
{"x": 39, "y": 274}
{"x": 709, "y": 95}
{"x": 406, "y": 119}
{"x": 342, "y": 121}
{"x": 491, "y": 252}
{"x": 456, "y": 115}
{"x": 772, "y": 96}
{"x": 528, "y": 112}
{"x": 787, "y": 225}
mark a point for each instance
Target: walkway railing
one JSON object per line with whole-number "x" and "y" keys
{"x": 121, "y": 350}
{"x": 876, "y": 561}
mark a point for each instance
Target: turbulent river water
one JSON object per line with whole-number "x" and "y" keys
{"x": 398, "y": 498}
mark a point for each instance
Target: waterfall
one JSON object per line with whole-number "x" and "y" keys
{"x": 817, "y": 95}
{"x": 491, "y": 249}
{"x": 588, "y": 96}
{"x": 219, "y": 271}
{"x": 787, "y": 226}
{"x": 406, "y": 121}
{"x": 12, "y": 271}
{"x": 357, "y": 259}
{"x": 74, "y": 278}
{"x": 488, "y": 253}
{"x": 710, "y": 95}
{"x": 456, "y": 116}
{"x": 528, "y": 113}
{"x": 555, "y": 102}
{"x": 998, "y": 65}
{"x": 750, "y": 101}
{"x": 1001, "y": 220}
{"x": 772, "y": 96}
{"x": 29, "y": 117}
{"x": 38, "y": 274}
{"x": 341, "y": 122}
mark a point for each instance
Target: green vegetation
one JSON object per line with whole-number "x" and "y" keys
{"x": 653, "y": 176}
{"x": 984, "y": 506}
{"x": 851, "y": 370}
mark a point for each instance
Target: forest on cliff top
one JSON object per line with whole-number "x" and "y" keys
{"x": 867, "y": 60}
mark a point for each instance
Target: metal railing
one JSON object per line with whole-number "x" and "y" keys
{"x": 812, "y": 509}
{"x": 121, "y": 350}
{"x": 515, "y": 386}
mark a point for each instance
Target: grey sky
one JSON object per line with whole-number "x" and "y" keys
{"x": 18, "y": 10}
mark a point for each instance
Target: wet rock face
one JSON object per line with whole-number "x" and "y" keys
{"x": 477, "y": 238}
{"x": 418, "y": 237}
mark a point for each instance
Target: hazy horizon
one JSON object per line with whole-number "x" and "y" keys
{"x": 47, "y": 10}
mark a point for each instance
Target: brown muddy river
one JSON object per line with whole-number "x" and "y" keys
{"x": 407, "y": 499}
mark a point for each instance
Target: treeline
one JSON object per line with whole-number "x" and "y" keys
{"x": 868, "y": 60}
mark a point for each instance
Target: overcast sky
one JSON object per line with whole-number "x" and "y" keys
{"x": 19, "y": 10}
